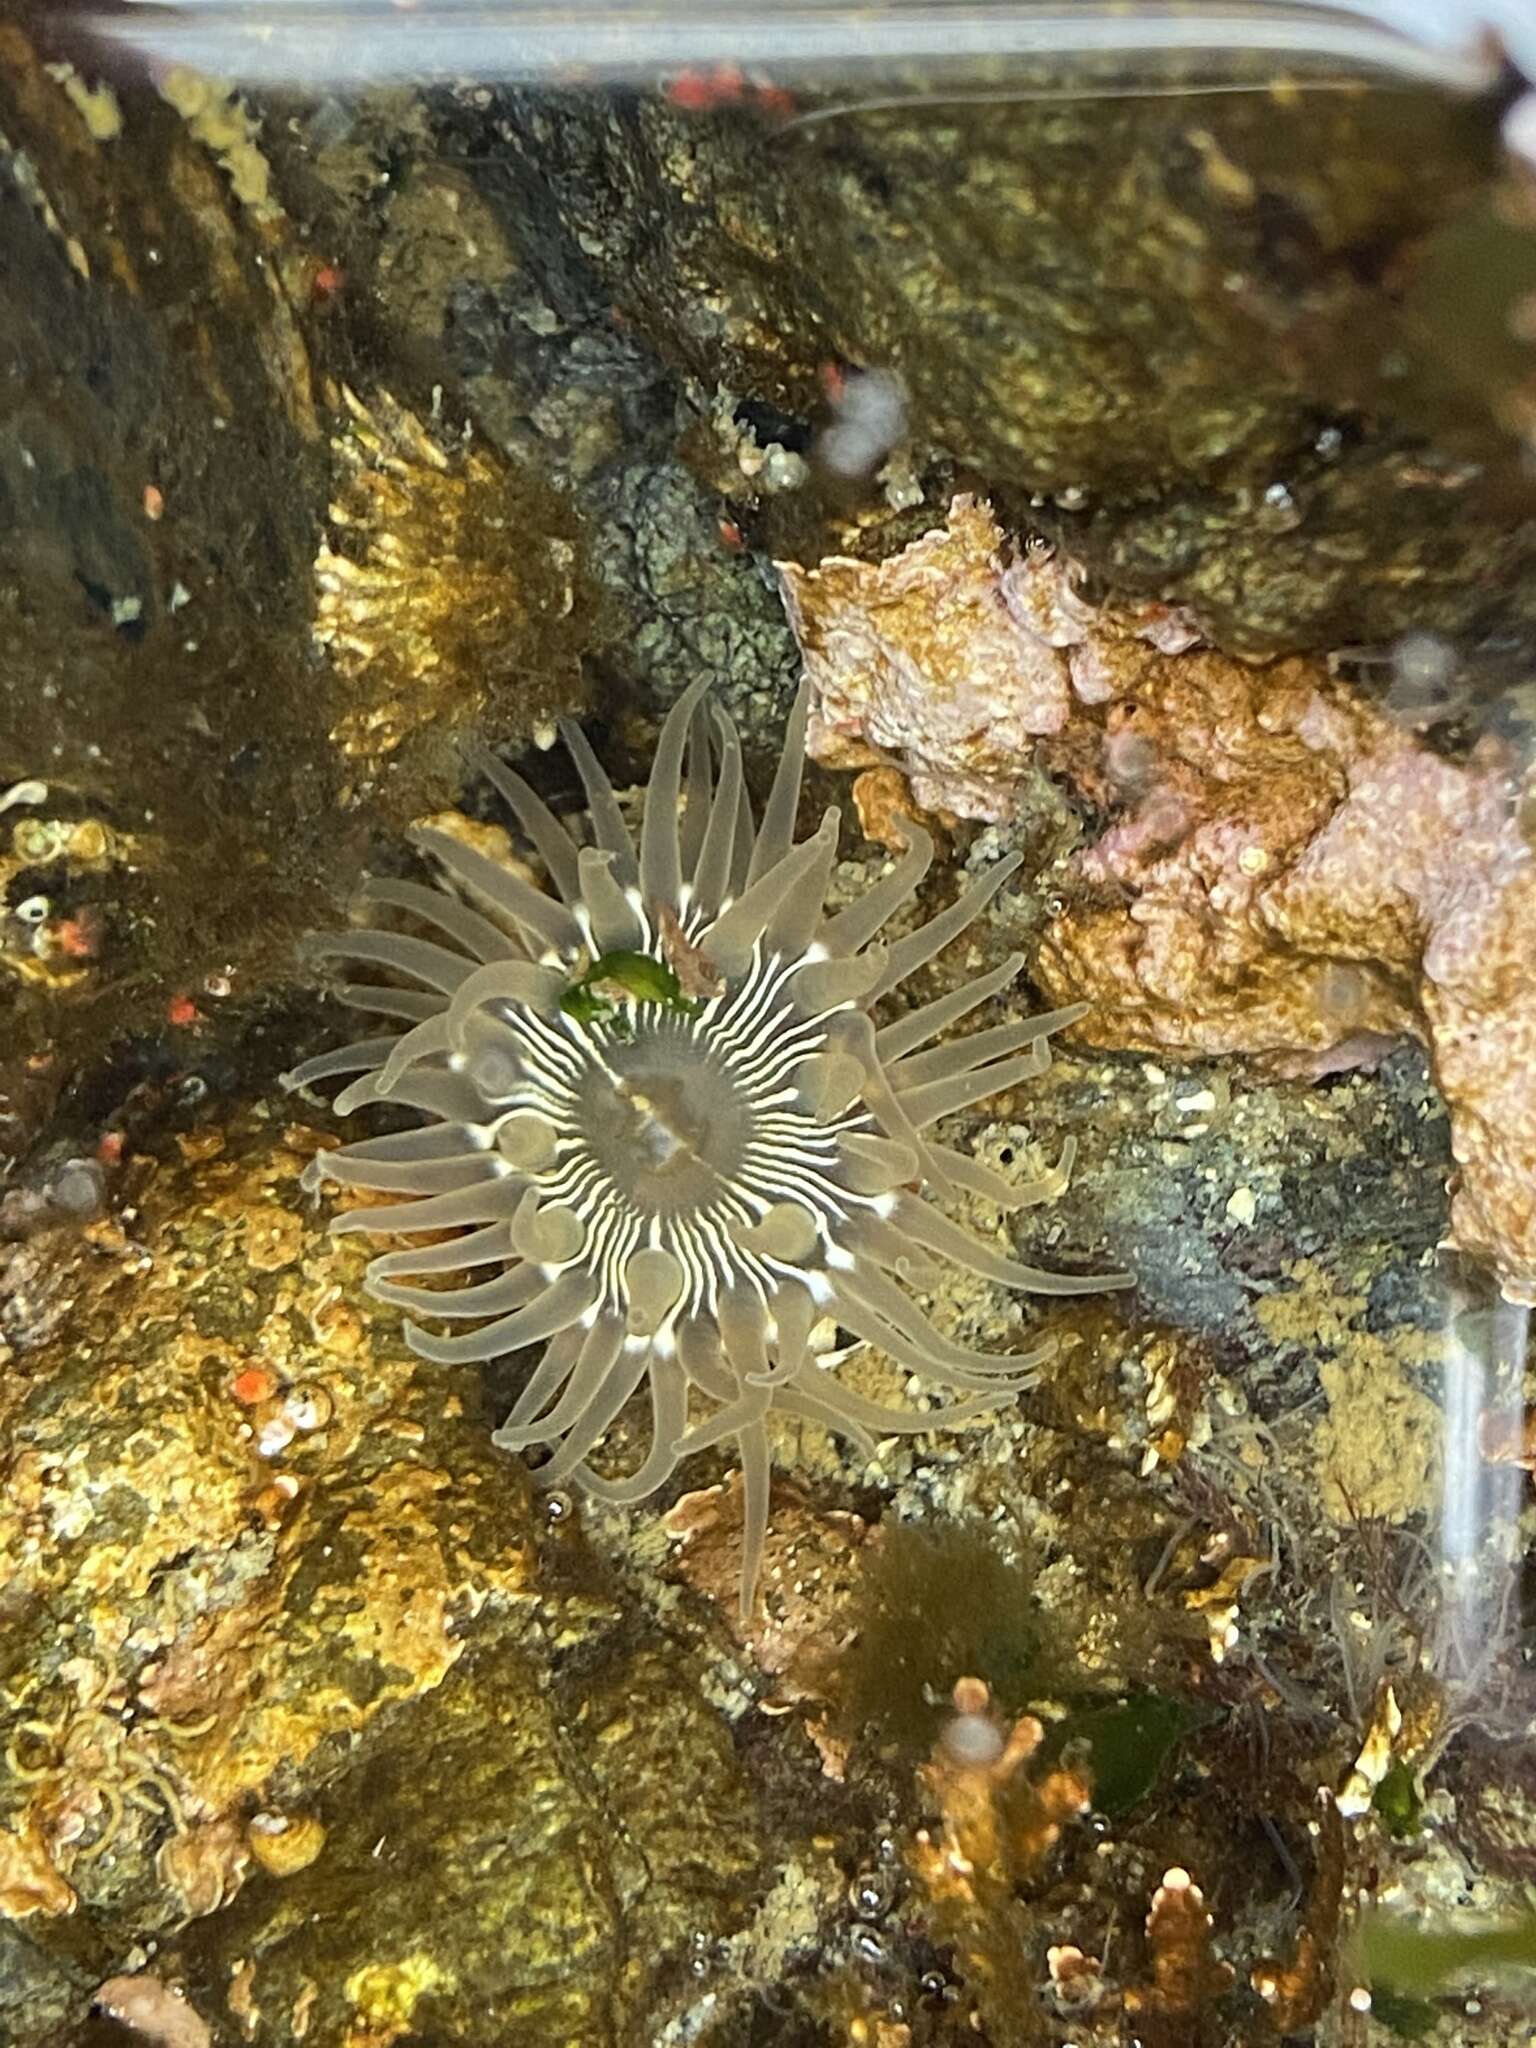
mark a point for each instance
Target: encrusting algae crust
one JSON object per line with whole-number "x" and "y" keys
{"x": 241, "y": 1560}
{"x": 241, "y": 1418}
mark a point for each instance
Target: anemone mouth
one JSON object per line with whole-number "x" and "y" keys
{"x": 665, "y": 1122}
{"x": 657, "y": 1110}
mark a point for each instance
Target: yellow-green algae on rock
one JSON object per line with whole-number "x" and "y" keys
{"x": 263, "y": 1577}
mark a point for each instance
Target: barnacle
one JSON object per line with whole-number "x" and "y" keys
{"x": 670, "y": 1187}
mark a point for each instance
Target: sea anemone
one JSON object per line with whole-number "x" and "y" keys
{"x": 660, "y": 1111}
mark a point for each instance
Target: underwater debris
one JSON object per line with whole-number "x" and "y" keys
{"x": 678, "y": 1201}
{"x": 984, "y": 1835}
{"x": 997, "y": 1825}
{"x": 869, "y": 418}
{"x": 1297, "y": 1992}
{"x": 146, "y": 2005}
{"x": 1370, "y": 1767}
{"x": 938, "y": 1601}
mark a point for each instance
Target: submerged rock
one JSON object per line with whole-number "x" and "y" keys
{"x": 1284, "y": 871}
{"x": 1193, "y": 328}
{"x": 246, "y": 1542}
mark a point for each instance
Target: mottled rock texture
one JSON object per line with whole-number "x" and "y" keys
{"x": 1203, "y": 327}
{"x": 1283, "y": 870}
{"x": 265, "y": 1578}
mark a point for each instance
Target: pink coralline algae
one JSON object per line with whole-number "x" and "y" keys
{"x": 1435, "y": 854}
{"x": 951, "y": 658}
{"x": 1282, "y": 872}
{"x": 927, "y": 659}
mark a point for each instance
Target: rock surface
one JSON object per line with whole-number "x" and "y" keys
{"x": 319, "y": 1725}
{"x": 1284, "y": 870}
{"x": 247, "y": 1543}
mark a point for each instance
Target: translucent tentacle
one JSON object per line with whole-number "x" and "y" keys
{"x": 362, "y": 1056}
{"x": 553, "y": 844}
{"x": 748, "y": 1407}
{"x": 730, "y": 939}
{"x": 608, "y": 827}
{"x": 431, "y": 1090}
{"x": 661, "y": 860}
{"x": 698, "y": 790}
{"x": 546, "y": 920}
{"x": 854, "y": 1415}
{"x": 472, "y": 933}
{"x": 853, "y": 928}
{"x": 669, "y": 1417}
{"x": 756, "y": 1493}
{"x": 919, "y": 1025}
{"x": 485, "y": 1201}
{"x": 406, "y": 1176}
{"x": 945, "y": 1061}
{"x": 411, "y": 1004}
{"x": 927, "y": 1104}
{"x": 402, "y": 954}
{"x": 874, "y": 1308}
{"x": 600, "y": 1414}
{"x": 562, "y": 1302}
{"x": 712, "y": 876}
{"x": 908, "y": 954}
{"x": 531, "y": 1422}
{"x": 514, "y": 1289}
{"x": 455, "y": 1255}
{"x": 616, "y": 926}
{"x": 925, "y": 1225}
{"x": 505, "y": 981}
{"x": 543, "y": 1385}
{"x": 775, "y": 835}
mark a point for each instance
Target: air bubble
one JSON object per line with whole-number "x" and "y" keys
{"x": 1278, "y": 510}
{"x": 871, "y": 1893}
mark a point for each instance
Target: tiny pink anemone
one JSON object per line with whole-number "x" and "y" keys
{"x": 660, "y": 1118}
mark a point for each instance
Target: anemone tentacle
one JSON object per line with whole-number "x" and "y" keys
{"x": 658, "y": 1104}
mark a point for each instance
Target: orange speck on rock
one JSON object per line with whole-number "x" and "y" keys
{"x": 154, "y": 502}
{"x": 698, "y": 92}
{"x": 329, "y": 279}
{"x": 181, "y": 1010}
{"x": 255, "y": 1383}
{"x": 776, "y": 100}
{"x": 834, "y": 381}
{"x": 690, "y": 90}
{"x": 732, "y": 535}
